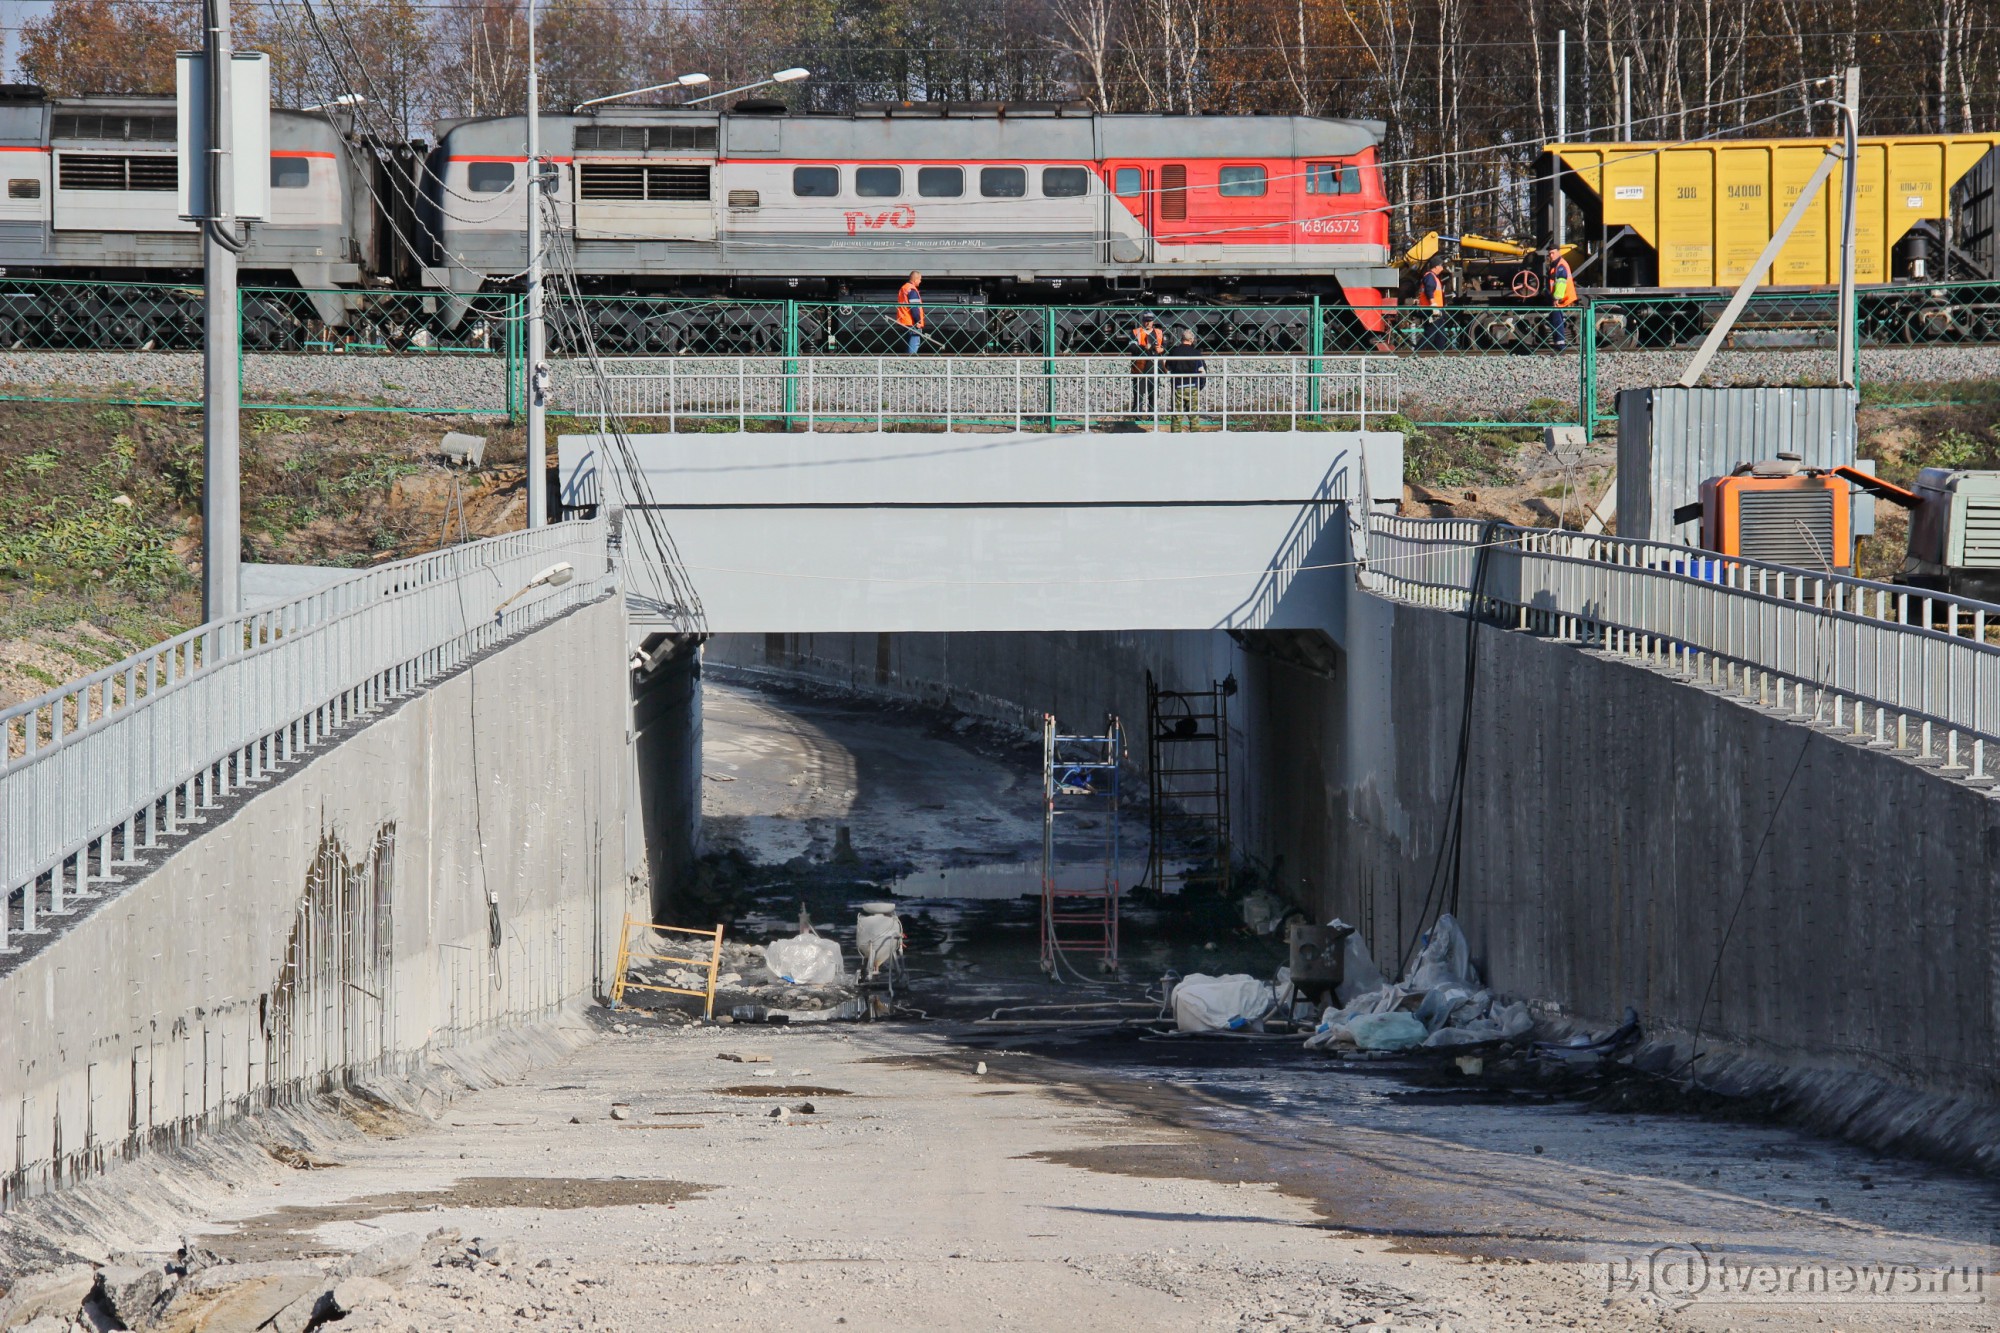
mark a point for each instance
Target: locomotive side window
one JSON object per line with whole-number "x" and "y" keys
{"x": 1173, "y": 192}
{"x": 816, "y": 182}
{"x": 1003, "y": 182}
{"x": 878, "y": 182}
{"x": 1241, "y": 182}
{"x": 1064, "y": 182}
{"x": 24, "y": 188}
{"x": 1128, "y": 183}
{"x": 290, "y": 173}
{"x": 75, "y": 125}
{"x": 489, "y": 177}
{"x": 1332, "y": 178}
{"x": 940, "y": 182}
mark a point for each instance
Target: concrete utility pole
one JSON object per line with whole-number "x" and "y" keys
{"x": 221, "y": 485}
{"x": 1561, "y": 224}
{"x": 1846, "y": 152}
{"x": 1625, "y": 101}
{"x": 538, "y": 334}
{"x": 1849, "y": 340}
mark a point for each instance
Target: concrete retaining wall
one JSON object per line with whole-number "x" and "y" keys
{"x": 1616, "y": 821}
{"x": 666, "y": 749}
{"x": 455, "y": 866}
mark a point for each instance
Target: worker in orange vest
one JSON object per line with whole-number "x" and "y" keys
{"x": 1150, "y": 341}
{"x": 1562, "y": 295}
{"x": 910, "y": 312}
{"x": 1430, "y": 295}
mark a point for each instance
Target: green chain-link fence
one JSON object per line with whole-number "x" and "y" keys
{"x": 1933, "y": 333}
{"x": 1490, "y": 365}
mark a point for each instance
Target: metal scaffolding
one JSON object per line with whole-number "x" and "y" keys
{"x": 1187, "y": 772}
{"x": 1080, "y": 777}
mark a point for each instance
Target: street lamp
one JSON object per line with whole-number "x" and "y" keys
{"x": 345, "y": 99}
{"x": 553, "y": 577}
{"x": 684, "y": 81}
{"x": 782, "y": 76}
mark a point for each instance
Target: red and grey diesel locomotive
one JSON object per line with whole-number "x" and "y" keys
{"x": 1010, "y": 203}
{"x": 996, "y": 204}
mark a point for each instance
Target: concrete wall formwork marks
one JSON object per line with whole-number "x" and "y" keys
{"x": 1613, "y": 823}
{"x": 456, "y": 865}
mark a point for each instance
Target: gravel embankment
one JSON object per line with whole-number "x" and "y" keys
{"x": 1454, "y": 387}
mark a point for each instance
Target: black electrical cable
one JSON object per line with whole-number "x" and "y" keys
{"x": 1452, "y": 842}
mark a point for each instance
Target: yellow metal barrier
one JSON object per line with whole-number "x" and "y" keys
{"x": 712, "y": 964}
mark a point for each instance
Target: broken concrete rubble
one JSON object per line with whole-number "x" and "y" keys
{"x": 56, "y": 1291}
{"x": 130, "y": 1293}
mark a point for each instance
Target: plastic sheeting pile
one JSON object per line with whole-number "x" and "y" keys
{"x": 1209, "y": 1004}
{"x": 1439, "y": 1004}
{"x": 805, "y": 960}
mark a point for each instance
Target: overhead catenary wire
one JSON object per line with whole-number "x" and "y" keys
{"x": 679, "y": 599}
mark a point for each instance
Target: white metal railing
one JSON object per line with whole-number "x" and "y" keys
{"x": 1898, "y": 666}
{"x": 96, "y": 772}
{"x": 1021, "y": 393}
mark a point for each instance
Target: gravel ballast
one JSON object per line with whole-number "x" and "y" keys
{"x": 1452, "y": 387}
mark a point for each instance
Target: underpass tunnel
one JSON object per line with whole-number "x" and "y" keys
{"x": 789, "y": 773}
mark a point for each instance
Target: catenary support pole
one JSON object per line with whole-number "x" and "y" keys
{"x": 1849, "y": 340}
{"x": 538, "y": 374}
{"x": 221, "y": 485}
{"x": 1562, "y": 134}
{"x": 1625, "y": 101}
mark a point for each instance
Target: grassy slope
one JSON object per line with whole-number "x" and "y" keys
{"x": 100, "y": 516}
{"x": 100, "y": 527}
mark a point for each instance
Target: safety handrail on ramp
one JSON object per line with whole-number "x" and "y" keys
{"x": 1901, "y": 667}
{"x": 97, "y": 771}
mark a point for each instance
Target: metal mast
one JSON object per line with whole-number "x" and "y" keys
{"x": 221, "y": 494}
{"x": 538, "y": 375}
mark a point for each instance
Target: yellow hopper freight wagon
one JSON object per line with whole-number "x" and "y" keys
{"x": 1693, "y": 216}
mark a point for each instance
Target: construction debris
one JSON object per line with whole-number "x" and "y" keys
{"x": 1202, "y": 1003}
{"x": 1440, "y": 1004}
{"x": 807, "y": 959}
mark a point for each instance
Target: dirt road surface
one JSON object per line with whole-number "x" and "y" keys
{"x": 833, "y": 1175}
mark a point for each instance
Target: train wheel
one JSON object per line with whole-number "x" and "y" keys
{"x": 1494, "y": 331}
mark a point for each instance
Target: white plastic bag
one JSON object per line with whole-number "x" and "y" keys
{"x": 1394, "y": 1031}
{"x": 1514, "y": 1019}
{"x": 804, "y": 960}
{"x": 1206, "y": 1004}
{"x": 1445, "y": 961}
{"x": 1358, "y": 973}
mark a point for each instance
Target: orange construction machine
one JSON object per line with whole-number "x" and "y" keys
{"x": 1780, "y": 512}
